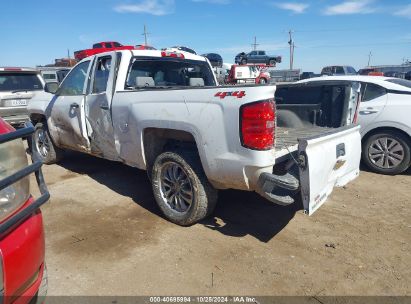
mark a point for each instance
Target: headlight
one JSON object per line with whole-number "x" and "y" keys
{"x": 13, "y": 158}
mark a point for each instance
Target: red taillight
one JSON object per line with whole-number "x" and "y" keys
{"x": 172, "y": 54}
{"x": 257, "y": 123}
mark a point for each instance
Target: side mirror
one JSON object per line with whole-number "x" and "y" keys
{"x": 51, "y": 87}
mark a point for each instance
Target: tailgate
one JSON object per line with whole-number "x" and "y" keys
{"x": 328, "y": 160}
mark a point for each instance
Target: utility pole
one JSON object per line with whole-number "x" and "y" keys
{"x": 68, "y": 54}
{"x": 254, "y": 45}
{"x": 145, "y": 34}
{"x": 292, "y": 46}
{"x": 369, "y": 58}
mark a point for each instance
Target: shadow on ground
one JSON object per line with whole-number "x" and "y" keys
{"x": 238, "y": 213}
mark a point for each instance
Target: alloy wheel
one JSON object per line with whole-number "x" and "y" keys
{"x": 386, "y": 152}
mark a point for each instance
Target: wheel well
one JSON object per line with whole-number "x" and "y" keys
{"x": 382, "y": 129}
{"x": 35, "y": 118}
{"x": 156, "y": 141}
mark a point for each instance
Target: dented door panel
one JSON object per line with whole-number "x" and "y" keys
{"x": 98, "y": 107}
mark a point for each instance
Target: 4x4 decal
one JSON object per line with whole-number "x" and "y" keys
{"x": 222, "y": 95}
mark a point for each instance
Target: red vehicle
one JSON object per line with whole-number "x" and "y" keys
{"x": 247, "y": 74}
{"x": 101, "y": 47}
{"x": 23, "y": 277}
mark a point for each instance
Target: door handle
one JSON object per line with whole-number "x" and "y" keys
{"x": 367, "y": 112}
{"x": 74, "y": 105}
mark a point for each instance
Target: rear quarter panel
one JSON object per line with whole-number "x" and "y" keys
{"x": 213, "y": 121}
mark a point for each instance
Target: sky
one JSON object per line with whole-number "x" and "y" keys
{"x": 325, "y": 32}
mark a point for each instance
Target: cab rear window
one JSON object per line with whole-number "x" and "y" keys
{"x": 168, "y": 73}
{"x": 19, "y": 81}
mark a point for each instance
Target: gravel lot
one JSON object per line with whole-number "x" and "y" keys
{"x": 105, "y": 236}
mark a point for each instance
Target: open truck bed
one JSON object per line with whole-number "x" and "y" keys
{"x": 286, "y": 140}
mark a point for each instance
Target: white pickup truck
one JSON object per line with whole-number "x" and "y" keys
{"x": 161, "y": 111}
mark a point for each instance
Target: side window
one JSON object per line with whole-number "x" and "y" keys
{"x": 372, "y": 91}
{"x": 166, "y": 73}
{"x": 101, "y": 74}
{"x": 74, "y": 83}
{"x": 338, "y": 70}
{"x": 116, "y": 44}
{"x": 261, "y": 53}
{"x": 253, "y": 53}
{"x": 108, "y": 45}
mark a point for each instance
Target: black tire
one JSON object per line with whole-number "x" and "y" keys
{"x": 44, "y": 146}
{"x": 371, "y": 158}
{"x": 271, "y": 62}
{"x": 263, "y": 81}
{"x": 203, "y": 198}
{"x": 243, "y": 61}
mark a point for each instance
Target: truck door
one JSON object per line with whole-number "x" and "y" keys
{"x": 66, "y": 123}
{"x": 98, "y": 106}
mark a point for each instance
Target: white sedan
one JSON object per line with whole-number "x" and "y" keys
{"x": 385, "y": 118}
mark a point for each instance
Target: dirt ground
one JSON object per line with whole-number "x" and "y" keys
{"x": 105, "y": 236}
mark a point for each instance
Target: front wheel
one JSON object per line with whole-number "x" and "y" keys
{"x": 271, "y": 62}
{"x": 263, "y": 81}
{"x": 387, "y": 152}
{"x": 44, "y": 145}
{"x": 181, "y": 188}
{"x": 244, "y": 61}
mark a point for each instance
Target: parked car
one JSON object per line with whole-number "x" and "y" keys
{"x": 257, "y": 57}
{"x": 366, "y": 71}
{"x": 394, "y": 74}
{"x": 336, "y": 70}
{"x": 384, "y": 116}
{"x": 163, "y": 112}
{"x": 239, "y": 57}
{"x": 215, "y": 59}
{"x": 306, "y": 75}
{"x": 23, "y": 275}
{"x": 101, "y": 47}
{"x": 144, "y": 47}
{"x": 53, "y": 74}
{"x": 247, "y": 74}
{"x": 408, "y": 75}
{"x": 184, "y": 49}
{"x": 18, "y": 86}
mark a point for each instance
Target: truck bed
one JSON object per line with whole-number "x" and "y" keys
{"x": 286, "y": 140}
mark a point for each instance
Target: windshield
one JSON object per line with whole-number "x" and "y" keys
{"x": 20, "y": 81}
{"x": 169, "y": 72}
{"x": 401, "y": 82}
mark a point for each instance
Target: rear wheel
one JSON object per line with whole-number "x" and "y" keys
{"x": 44, "y": 145}
{"x": 263, "y": 81}
{"x": 271, "y": 62}
{"x": 181, "y": 188}
{"x": 387, "y": 152}
{"x": 243, "y": 61}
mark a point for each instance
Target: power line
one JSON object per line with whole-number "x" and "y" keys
{"x": 292, "y": 46}
{"x": 145, "y": 34}
{"x": 254, "y": 45}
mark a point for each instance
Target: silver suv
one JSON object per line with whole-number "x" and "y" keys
{"x": 17, "y": 87}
